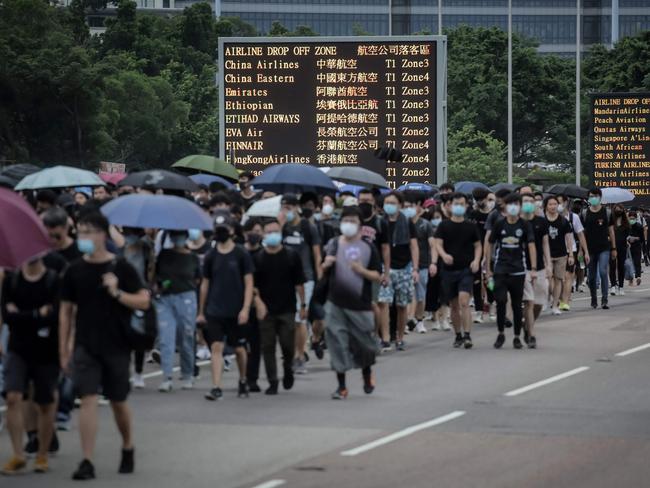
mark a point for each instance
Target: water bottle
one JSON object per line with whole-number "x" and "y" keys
{"x": 581, "y": 261}
{"x": 490, "y": 284}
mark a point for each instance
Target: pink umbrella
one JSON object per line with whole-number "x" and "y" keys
{"x": 112, "y": 178}
{"x": 22, "y": 235}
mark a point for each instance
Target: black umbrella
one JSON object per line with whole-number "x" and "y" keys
{"x": 159, "y": 179}
{"x": 7, "y": 182}
{"x": 354, "y": 175}
{"x": 571, "y": 191}
{"x": 17, "y": 172}
{"x": 502, "y": 186}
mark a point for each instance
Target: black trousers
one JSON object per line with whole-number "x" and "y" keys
{"x": 635, "y": 251}
{"x": 254, "y": 349}
{"x": 617, "y": 268}
{"x": 505, "y": 284}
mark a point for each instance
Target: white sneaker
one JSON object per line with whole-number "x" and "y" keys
{"x": 478, "y": 319}
{"x": 614, "y": 291}
{"x": 556, "y": 311}
{"x": 165, "y": 386}
{"x": 187, "y": 385}
{"x": 203, "y": 353}
{"x": 137, "y": 381}
{"x": 420, "y": 328}
{"x": 445, "y": 325}
{"x": 428, "y": 316}
{"x": 436, "y": 325}
{"x": 621, "y": 292}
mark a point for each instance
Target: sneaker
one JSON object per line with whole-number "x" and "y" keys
{"x": 436, "y": 325}
{"x": 420, "y": 328}
{"x": 594, "y": 303}
{"x": 227, "y": 363}
{"x": 155, "y": 355}
{"x": 288, "y": 379}
{"x": 187, "y": 384}
{"x": 317, "y": 347}
{"x": 605, "y": 306}
{"x": 165, "y": 386}
{"x": 272, "y": 389}
{"x": 556, "y": 311}
{"x": 369, "y": 384}
{"x": 214, "y": 394}
{"x": 63, "y": 425}
{"x": 411, "y": 324}
{"x": 137, "y": 381}
{"x": 85, "y": 471}
{"x": 614, "y": 291}
{"x": 565, "y": 307}
{"x": 621, "y": 292}
{"x": 299, "y": 367}
{"x": 127, "y": 463}
{"x": 467, "y": 340}
{"x": 41, "y": 465}
{"x": 501, "y": 339}
{"x": 385, "y": 346}
{"x": 493, "y": 317}
{"x": 253, "y": 387}
{"x": 516, "y": 343}
{"x": 638, "y": 281}
{"x": 54, "y": 444}
{"x": 340, "y": 394}
{"x": 149, "y": 359}
{"x": 400, "y": 346}
{"x": 532, "y": 343}
{"x": 203, "y": 353}
{"x": 14, "y": 466}
{"x": 242, "y": 391}
{"x": 478, "y": 318}
{"x": 445, "y": 325}
{"x": 526, "y": 336}
{"x": 31, "y": 448}
{"x": 458, "y": 342}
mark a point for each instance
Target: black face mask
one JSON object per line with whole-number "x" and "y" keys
{"x": 307, "y": 213}
{"x": 366, "y": 210}
{"x": 221, "y": 234}
{"x": 254, "y": 239}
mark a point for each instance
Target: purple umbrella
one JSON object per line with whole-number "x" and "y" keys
{"x": 22, "y": 235}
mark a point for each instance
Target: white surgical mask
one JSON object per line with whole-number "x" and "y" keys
{"x": 490, "y": 205}
{"x": 513, "y": 209}
{"x": 349, "y": 229}
{"x": 560, "y": 208}
{"x": 328, "y": 209}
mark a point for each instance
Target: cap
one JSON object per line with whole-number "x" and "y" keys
{"x": 429, "y": 202}
{"x": 289, "y": 199}
{"x": 223, "y": 218}
{"x": 350, "y": 202}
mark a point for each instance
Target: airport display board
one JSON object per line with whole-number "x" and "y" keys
{"x": 330, "y": 101}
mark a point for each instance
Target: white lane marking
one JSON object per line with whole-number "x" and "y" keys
{"x": 403, "y": 433}
{"x": 547, "y": 381}
{"x": 176, "y": 369}
{"x": 633, "y": 350}
{"x": 271, "y": 484}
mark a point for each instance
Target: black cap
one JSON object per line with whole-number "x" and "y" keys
{"x": 223, "y": 218}
{"x": 289, "y": 199}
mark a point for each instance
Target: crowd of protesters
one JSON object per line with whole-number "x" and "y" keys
{"x": 352, "y": 274}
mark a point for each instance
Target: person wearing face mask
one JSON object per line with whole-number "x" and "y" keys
{"x": 579, "y": 251}
{"x": 512, "y": 238}
{"x": 326, "y": 220}
{"x": 601, "y": 243}
{"x": 177, "y": 277}
{"x": 621, "y": 235}
{"x": 99, "y": 293}
{"x": 484, "y": 204}
{"x": 435, "y": 302}
{"x": 279, "y": 290}
{"x": 302, "y": 236}
{"x": 459, "y": 246}
{"x": 246, "y": 192}
{"x": 404, "y": 265}
{"x": 225, "y": 301}
{"x": 636, "y": 241}
{"x": 561, "y": 244}
{"x": 428, "y": 258}
{"x": 539, "y": 203}
{"x": 354, "y": 264}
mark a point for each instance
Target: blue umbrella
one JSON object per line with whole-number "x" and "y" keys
{"x": 469, "y": 186}
{"x": 417, "y": 187}
{"x": 294, "y": 178}
{"x": 356, "y": 189}
{"x": 203, "y": 179}
{"x": 156, "y": 212}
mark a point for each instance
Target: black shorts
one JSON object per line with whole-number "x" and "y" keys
{"x": 454, "y": 282}
{"x": 103, "y": 373}
{"x": 224, "y": 329}
{"x": 18, "y": 373}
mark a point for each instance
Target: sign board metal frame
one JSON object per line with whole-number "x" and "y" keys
{"x": 441, "y": 81}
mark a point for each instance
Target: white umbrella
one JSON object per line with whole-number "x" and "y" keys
{"x": 59, "y": 177}
{"x": 269, "y": 207}
{"x": 617, "y": 195}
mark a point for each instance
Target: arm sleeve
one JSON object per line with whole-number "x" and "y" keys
{"x": 577, "y": 224}
{"x": 413, "y": 233}
{"x": 530, "y": 233}
{"x": 247, "y": 263}
{"x": 374, "y": 264}
{"x": 207, "y": 264}
{"x": 440, "y": 231}
{"x": 382, "y": 236}
{"x": 315, "y": 235}
{"x": 298, "y": 274}
{"x": 495, "y": 230}
{"x": 430, "y": 232}
{"x": 67, "y": 287}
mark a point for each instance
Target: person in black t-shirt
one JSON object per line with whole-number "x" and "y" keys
{"x": 636, "y": 241}
{"x": 513, "y": 237}
{"x": 99, "y": 292}
{"x": 353, "y": 264}
{"x": 459, "y": 246}
{"x": 30, "y": 303}
{"x": 253, "y": 235}
{"x": 561, "y": 244}
{"x": 279, "y": 278}
{"x": 225, "y": 301}
{"x": 57, "y": 224}
{"x": 621, "y": 235}
{"x": 404, "y": 265}
{"x": 599, "y": 232}
{"x": 485, "y": 202}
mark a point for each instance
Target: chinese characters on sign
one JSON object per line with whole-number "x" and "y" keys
{"x": 331, "y": 103}
{"x": 621, "y": 142}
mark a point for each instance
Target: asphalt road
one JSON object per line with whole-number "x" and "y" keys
{"x": 572, "y": 413}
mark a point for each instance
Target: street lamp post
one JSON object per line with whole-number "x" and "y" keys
{"x": 578, "y": 43}
{"x": 509, "y": 91}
